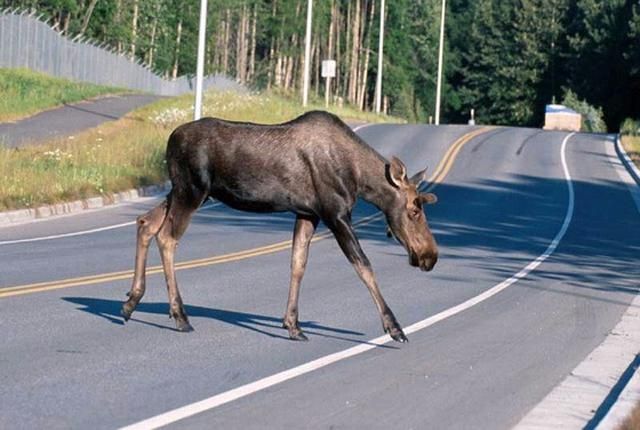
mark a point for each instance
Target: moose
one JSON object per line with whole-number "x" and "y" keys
{"x": 314, "y": 166}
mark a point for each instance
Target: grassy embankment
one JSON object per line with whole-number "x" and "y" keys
{"x": 129, "y": 152}
{"x": 24, "y": 93}
{"x": 632, "y": 146}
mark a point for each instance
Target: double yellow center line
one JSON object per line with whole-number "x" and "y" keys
{"x": 438, "y": 176}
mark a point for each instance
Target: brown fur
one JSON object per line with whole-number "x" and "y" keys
{"x": 314, "y": 166}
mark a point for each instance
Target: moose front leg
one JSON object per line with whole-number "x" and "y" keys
{"x": 343, "y": 231}
{"x": 302, "y": 234}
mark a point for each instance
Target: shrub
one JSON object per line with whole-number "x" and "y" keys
{"x": 630, "y": 127}
{"x": 592, "y": 117}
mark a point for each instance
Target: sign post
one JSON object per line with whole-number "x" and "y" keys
{"x": 328, "y": 72}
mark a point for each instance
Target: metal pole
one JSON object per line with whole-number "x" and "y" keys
{"x": 197, "y": 109}
{"x": 327, "y": 90}
{"x": 307, "y": 55}
{"x": 380, "y": 55}
{"x": 440, "y": 54}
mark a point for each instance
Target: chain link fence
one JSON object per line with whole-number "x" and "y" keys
{"x": 26, "y": 41}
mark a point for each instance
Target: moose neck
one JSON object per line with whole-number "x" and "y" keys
{"x": 374, "y": 185}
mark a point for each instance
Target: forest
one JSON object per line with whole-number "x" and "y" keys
{"x": 504, "y": 58}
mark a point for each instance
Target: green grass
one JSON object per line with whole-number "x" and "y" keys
{"x": 632, "y": 146}
{"x": 129, "y": 152}
{"x": 24, "y": 93}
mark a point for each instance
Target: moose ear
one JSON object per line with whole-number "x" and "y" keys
{"x": 428, "y": 198}
{"x": 419, "y": 178}
{"x": 397, "y": 172}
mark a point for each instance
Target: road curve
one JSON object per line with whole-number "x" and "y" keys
{"x": 68, "y": 361}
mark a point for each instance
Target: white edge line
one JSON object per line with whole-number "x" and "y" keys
{"x": 83, "y": 232}
{"x": 58, "y": 236}
{"x": 361, "y": 126}
{"x": 261, "y": 384}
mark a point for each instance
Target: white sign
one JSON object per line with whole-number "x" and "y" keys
{"x": 328, "y": 68}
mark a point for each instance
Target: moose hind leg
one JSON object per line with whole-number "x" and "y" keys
{"x": 302, "y": 234}
{"x": 148, "y": 226}
{"x": 171, "y": 231}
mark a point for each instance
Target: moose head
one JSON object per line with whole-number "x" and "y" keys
{"x": 406, "y": 218}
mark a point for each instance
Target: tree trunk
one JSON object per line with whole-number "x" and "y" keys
{"x": 65, "y": 23}
{"x": 278, "y": 71}
{"x": 355, "y": 55}
{"x": 134, "y": 29}
{"x": 315, "y": 65}
{"x": 118, "y": 18}
{"x": 174, "y": 70}
{"x": 87, "y": 16}
{"x": 297, "y": 66}
{"x": 240, "y": 28}
{"x": 227, "y": 37}
{"x": 272, "y": 64}
{"x": 252, "y": 47}
{"x": 152, "y": 44}
{"x": 347, "y": 50}
{"x": 289, "y": 74}
{"x": 245, "y": 44}
{"x": 365, "y": 68}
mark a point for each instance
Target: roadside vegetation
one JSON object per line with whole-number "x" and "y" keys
{"x": 632, "y": 146}
{"x": 592, "y": 117}
{"x": 506, "y": 59}
{"x": 630, "y": 131}
{"x": 24, "y": 93}
{"x": 129, "y": 152}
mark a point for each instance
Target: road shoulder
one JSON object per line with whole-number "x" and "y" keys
{"x": 602, "y": 390}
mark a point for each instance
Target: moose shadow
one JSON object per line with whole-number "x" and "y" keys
{"x": 263, "y": 324}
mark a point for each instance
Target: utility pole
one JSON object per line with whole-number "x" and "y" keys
{"x": 197, "y": 108}
{"x": 307, "y": 55}
{"x": 440, "y": 55}
{"x": 380, "y": 55}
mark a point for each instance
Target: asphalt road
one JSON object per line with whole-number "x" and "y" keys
{"x": 70, "y": 118}
{"x": 68, "y": 361}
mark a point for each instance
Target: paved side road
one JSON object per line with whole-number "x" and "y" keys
{"x": 70, "y": 119}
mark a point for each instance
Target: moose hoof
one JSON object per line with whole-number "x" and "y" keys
{"x": 299, "y": 336}
{"x": 126, "y": 314}
{"x": 184, "y": 327}
{"x": 398, "y": 336}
